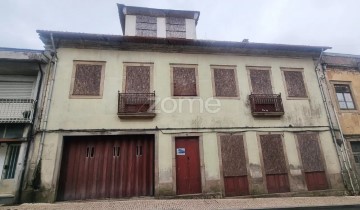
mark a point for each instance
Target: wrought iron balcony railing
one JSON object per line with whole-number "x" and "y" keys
{"x": 16, "y": 110}
{"x": 136, "y": 105}
{"x": 266, "y": 104}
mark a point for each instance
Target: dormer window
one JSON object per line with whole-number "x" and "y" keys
{"x": 175, "y": 27}
{"x": 159, "y": 23}
{"x": 146, "y": 26}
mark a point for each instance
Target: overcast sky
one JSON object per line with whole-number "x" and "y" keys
{"x": 334, "y": 23}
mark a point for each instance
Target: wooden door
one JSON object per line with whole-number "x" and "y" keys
{"x": 277, "y": 180}
{"x": 188, "y": 176}
{"x": 312, "y": 163}
{"x": 234, "y": 165}
{"x": 96, "y": 167}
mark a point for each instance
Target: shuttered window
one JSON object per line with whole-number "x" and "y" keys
{"x": 87, "y": 79}
{"x": 225, "y": 82}
{"x": 184, "y": 81}
{"x": 175, "y": 27}
{"x": 16, "y": 89}
{"x": 260, "y": 81}
{"x": 295, "y": 85}
{"x": 146, "y": 26}
{"x": 137, "y": 79}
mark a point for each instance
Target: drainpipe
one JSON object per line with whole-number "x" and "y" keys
{"x": 344, "y": 149}
{"x": 30, "y": 137}
{"x": 342, "y": 160}
{"x": 54, "y": 61}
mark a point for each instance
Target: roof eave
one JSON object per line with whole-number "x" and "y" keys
{"x": 82, "y": 40}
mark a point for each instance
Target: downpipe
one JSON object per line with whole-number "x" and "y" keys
{"x": 30, "y": 138}
{"x": 54, "y": 61}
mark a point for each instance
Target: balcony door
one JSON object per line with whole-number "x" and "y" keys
{"x": 137, "y": 88}
{"x": 260, "y": 81}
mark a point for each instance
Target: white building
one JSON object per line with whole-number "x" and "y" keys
{"x": 21, "y": 72}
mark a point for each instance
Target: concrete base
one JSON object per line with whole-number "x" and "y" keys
{"x": 193, "y": 196}
{"x": 298, "y": 194}
{"x": 7, "y": 199}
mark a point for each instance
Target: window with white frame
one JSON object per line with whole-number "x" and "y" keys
{"x": 344, "y": 97}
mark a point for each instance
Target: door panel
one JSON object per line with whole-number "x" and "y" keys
{"x": 107, "y": 167}
{"x": 277, "y": 183}
{"x": 188, "y": 176}
{"x": 316, "y": 180}
{"x": 236, "y": 186}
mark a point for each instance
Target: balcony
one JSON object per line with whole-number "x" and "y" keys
{"x": 136, "y": 105}
{"x": 16, "y": 110}
{"x": 266, "y": 105}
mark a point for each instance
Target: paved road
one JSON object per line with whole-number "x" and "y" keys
{"x": 295, "y": 203}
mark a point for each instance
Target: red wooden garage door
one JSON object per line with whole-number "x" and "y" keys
{"x": 96, "y": 167}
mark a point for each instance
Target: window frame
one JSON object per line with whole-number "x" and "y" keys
{"x": 231, "y": 67}
{"x": 101, "y": 88}
{"x": 260, "y": 68}
{"x": 126, "y": 64}
{"x": 348, "y": 83}
{"x": 283, "y": 70}
{"x": 4, "y": 174}
{"x": 195, "y": 66}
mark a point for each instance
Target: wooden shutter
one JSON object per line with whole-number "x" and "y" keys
{"x": 87, "y": 80}
{"x": 260, "y": 81}
{"x": 295, "y": 84}
{"x": 225, "y": 83}
{"x": 184, "y": 81}
{"x": 137, "y": 79}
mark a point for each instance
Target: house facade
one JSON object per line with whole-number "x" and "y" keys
{"x": 157, "y": 112}
{"x": 342, "y": 76}
{"x": 21, "y": 72}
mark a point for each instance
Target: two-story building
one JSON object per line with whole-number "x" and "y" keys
{"x": 157, "y": 112}
{"x": 21, "y": 73}
{"x": 342, "y": 73}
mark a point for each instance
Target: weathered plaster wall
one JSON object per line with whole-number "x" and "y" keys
{"x": 69, "y": 113}
{"x": 84, "y": 114}
{"x": 349, "y": 119}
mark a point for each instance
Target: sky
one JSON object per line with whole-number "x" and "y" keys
{"x": 333, "y": 23}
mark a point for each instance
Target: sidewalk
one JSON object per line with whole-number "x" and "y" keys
{"x": 150, "y": 203}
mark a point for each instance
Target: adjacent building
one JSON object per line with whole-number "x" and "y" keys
{"x": 342, "y": 74}
{"x": 21, "y": 73}
{"x": 157, "y": 112}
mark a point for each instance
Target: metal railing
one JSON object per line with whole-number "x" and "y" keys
{"x": 266, "y": 104}
{"x": 16, "y": 110}
{"x": 136, "y": 103}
